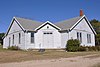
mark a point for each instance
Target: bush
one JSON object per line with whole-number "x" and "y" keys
{"x": 72, "y": 45}
{"x": 98, "y": 48}
{"x": 14, "y": 48}
{"x": 81, "y": 48}
{"x": 92, "y": 48}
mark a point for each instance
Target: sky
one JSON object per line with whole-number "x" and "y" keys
{"x": 46, "y": 10}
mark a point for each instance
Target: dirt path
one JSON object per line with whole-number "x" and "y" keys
{"x": 80, "y": 61}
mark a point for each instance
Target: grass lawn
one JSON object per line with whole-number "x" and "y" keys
{"x": 18, "y": 56}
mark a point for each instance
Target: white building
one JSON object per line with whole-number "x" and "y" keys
{"x": 29, "y": 34}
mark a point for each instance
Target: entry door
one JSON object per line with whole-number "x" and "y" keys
{"x": 48, "y": 40}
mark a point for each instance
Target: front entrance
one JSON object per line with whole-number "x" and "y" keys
{"x": 48, "y": 40}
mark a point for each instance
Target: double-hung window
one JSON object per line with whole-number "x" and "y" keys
{"x": 88, "y": 38}
{"x": 19, "y": 38}
{"x": 13, "y": 39}
{"x": 32, "y": 37}
{"x": 79, "y": 36}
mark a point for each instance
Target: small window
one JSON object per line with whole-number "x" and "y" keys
{"x": 13, "y": 39}
{"x": 47, "y": 33}
{"x": 47, "y": 27}
{"x": 44, "y": 33}
{"x": 9, "y": 41}
{"x": 32, "y": 37}
{"x": 50, "y": 33}
{"x": 88, "y": 38}
{"x": 79, "y": 36}
{"x": 19, "y": 38}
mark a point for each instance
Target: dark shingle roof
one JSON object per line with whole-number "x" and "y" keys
{"x": 28, "y": 24}
{"x": 67, "y": 24}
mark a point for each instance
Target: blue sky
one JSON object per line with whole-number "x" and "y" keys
{"x": 43, "y": 10}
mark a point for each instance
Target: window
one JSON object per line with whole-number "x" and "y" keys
{"x": 79, "y": 36}
{"x": 9, "y": 41}
{"x": 19, "y": 38}
{"x": 48, "y": 33}
{"x": 13, "y": 39}
{"x": 88, "y": 38}
{"x": 47, "y": 27}
{"x": 32, "y": 37}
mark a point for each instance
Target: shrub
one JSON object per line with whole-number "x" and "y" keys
{"x": 92, "y": 48}
{"x": 81, "y": 48}
{"x": 14, "y": 48}
{"x": 72, "y": 45}
{"x": 98, "y": 48}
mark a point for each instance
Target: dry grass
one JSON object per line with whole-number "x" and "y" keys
{"x": 18, "y": 56}
{"x": 93, "y": 56}
{"x": 97, "y": 65}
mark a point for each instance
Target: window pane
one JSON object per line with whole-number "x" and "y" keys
{"x": 32, "y": 37}
{"x": 77, "y": 35}
{"x": 9, "y": 41}
{"x": 88, "y": 38}
{"x": 13, "y": 39}
{"x": 19, "y": 38}
{"x": 80, "y": 37}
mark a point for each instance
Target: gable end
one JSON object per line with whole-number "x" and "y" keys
{"x": 46, "y": 24}
{"x": 11, "y": 26}
{"x": 86, "y": 22}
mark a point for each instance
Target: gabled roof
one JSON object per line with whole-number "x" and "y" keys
{"x": 48, "y": 22}
{"x": 28, "y": 24}
{"x": 31, "y": 25}
{"x": 67, "y": 24}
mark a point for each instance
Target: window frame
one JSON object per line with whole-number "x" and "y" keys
{"x": 79, "y": 36}
{"x": 19, "y": 38}
{"x": 9, "y": 41}
{"x": 32, "y": 37}
{"x": 13, "y": 39}
{"x": 88, "y": 38}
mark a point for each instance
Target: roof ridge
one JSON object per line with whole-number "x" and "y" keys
{"x": 67, "y": 19}
{"x": 67, "y": 24}
{"x": 27, "y": 19}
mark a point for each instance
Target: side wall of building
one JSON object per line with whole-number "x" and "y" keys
{"x": 12, "y": 38}
{"x": 84, "y": 29}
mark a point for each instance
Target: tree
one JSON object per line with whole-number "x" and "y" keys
{"x": 1, "y": 35}
{"x": 96, "y": 25}
{"x": 97, "y": 39}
